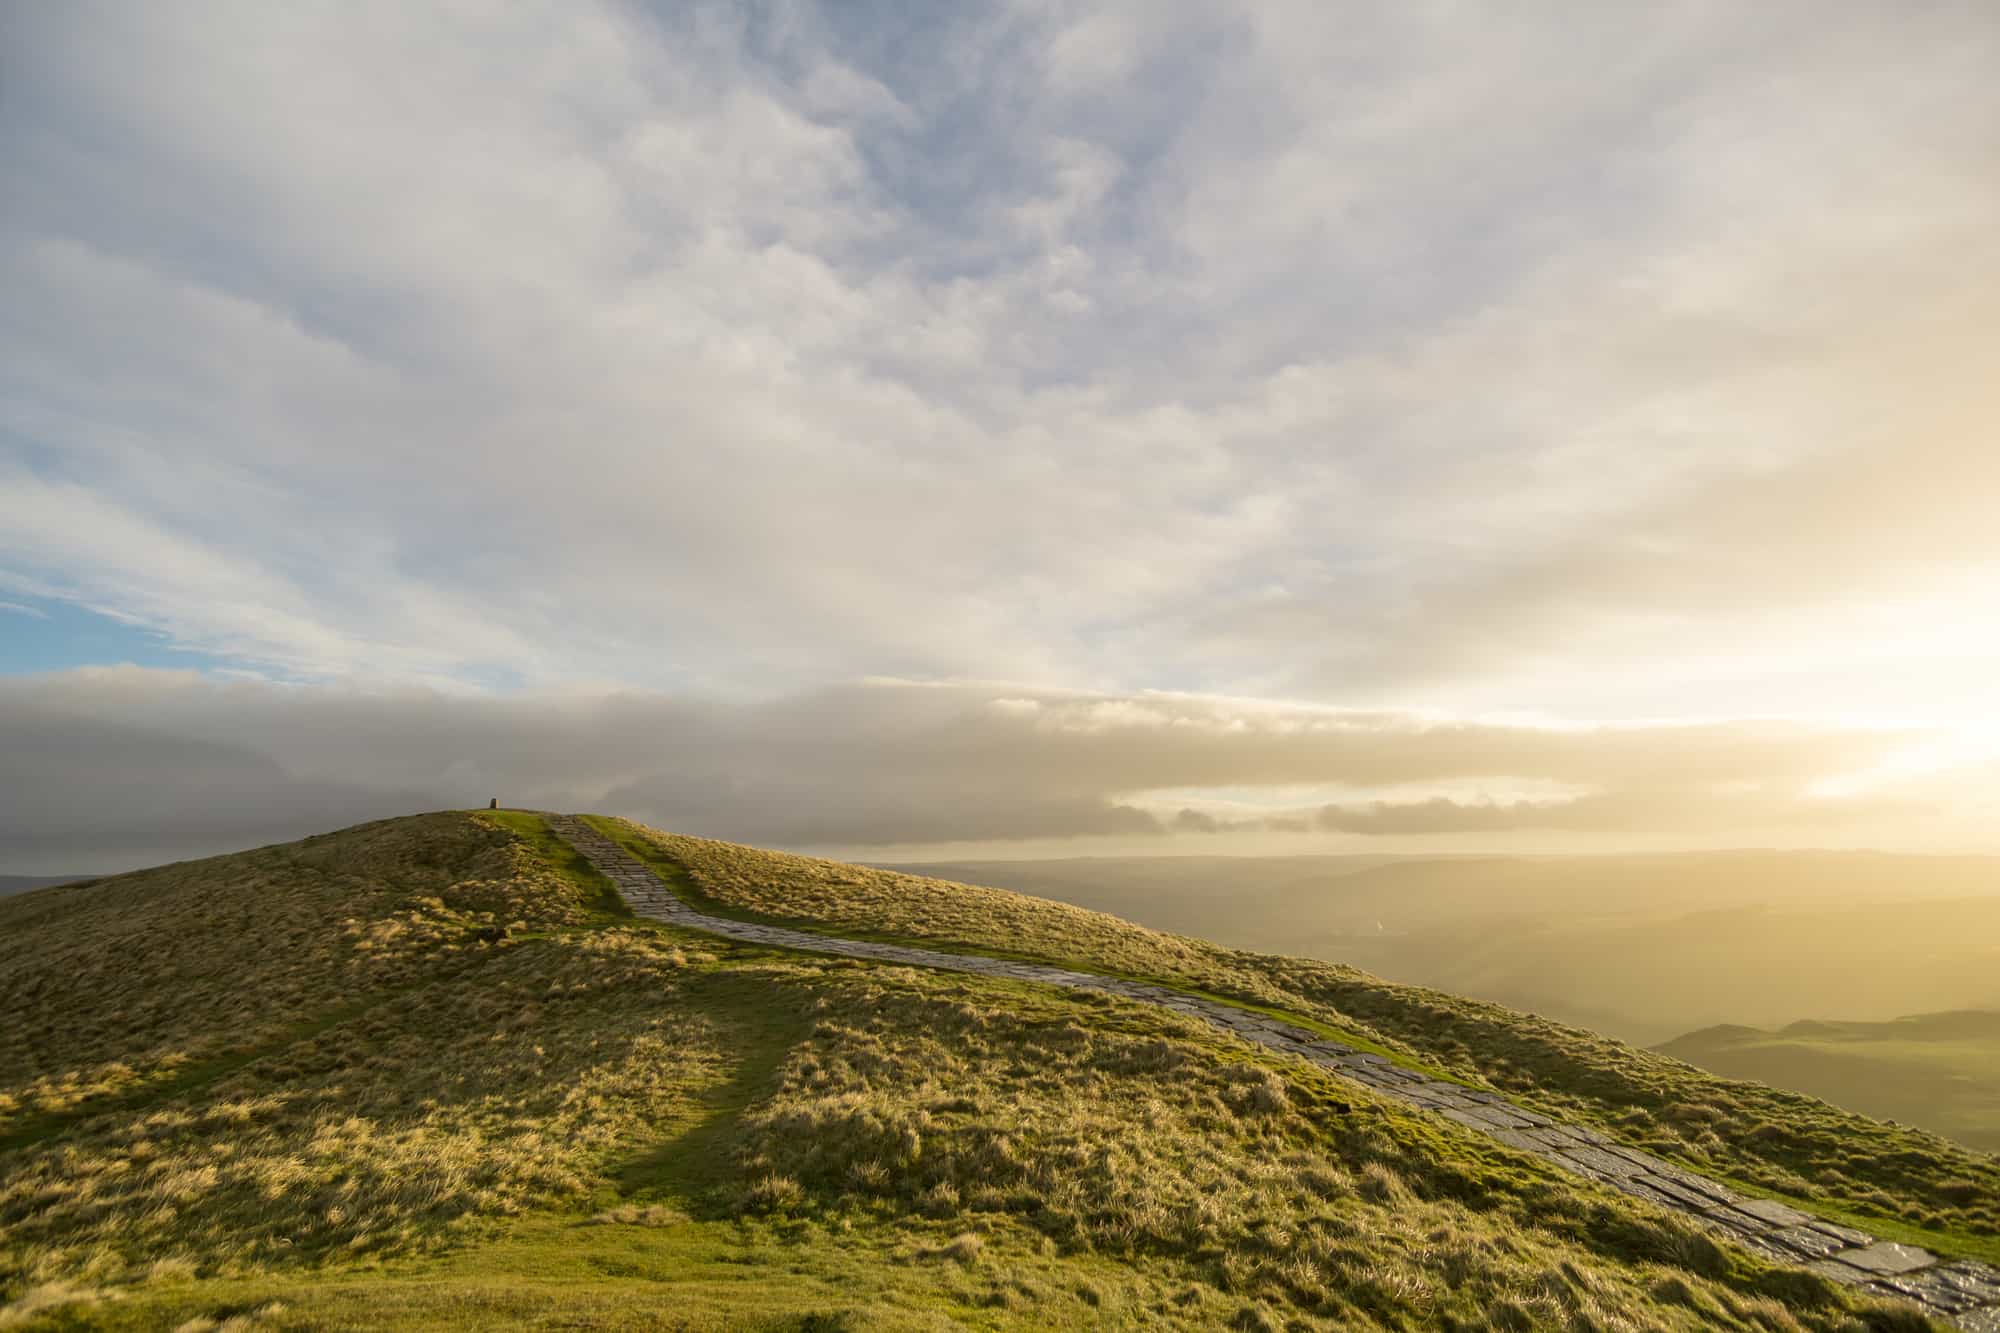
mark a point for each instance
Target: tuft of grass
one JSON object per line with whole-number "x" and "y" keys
{"x": 964, "y": 1248}
{"x": 46, "y": 1300}
{"x": 640, "y": 1215}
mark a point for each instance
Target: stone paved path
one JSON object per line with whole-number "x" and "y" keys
{"x": 1963, "y": 1292}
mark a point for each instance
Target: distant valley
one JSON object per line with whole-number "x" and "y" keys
{"x": 1940, "y": 1071}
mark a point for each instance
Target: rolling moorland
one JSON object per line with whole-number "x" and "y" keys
{"x": 433, "y": 1072}
{"x": 1644, "y": 948}
{"x": 1941, "y": 1071}
{"x": 1654, "y": 950}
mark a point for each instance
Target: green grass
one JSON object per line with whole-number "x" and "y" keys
{"x": 597, "y": 894}
{"x": 569, "y": 1273}
{"x": 525, "y": 1108}
{"x": 1944, "y": 1242}
{"x": 689, "y": 1165}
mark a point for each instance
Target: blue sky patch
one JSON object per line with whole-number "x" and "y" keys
{"x": 41, "y": 634}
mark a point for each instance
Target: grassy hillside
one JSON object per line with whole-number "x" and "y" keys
{"x": 1779, "y": 1142}
{"x": 427, "y": 1073}
{"x": 1937, "y": 1070}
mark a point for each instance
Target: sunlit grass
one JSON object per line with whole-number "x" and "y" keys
{"x": 125, "y": 984}
{"x": 512, "y": 1105}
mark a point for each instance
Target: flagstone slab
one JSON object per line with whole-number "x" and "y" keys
{"x": 1980, "y": 1280}
{"x": 1693, "y": 1200}
{"x": 1774, "y": 1212}
{"x": 1841, "y": 1273}
{"x": 1886, "y": 1258}
{"x": 1805, "y": 1243}
{"x": 1847, "y": 1234}
{"x": 1599, "y": 1161}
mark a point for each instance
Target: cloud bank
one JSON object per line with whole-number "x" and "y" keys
{"x": 109, "y": 767}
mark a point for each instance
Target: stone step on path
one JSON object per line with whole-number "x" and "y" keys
{"x": 1963, "y": 1292}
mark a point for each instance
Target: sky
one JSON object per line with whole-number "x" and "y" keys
{"x": 906, "y": 429}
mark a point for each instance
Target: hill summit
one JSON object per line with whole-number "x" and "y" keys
{"x": 438, "y": 1071}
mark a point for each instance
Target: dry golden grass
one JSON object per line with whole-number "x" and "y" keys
{"x": 419, "y": 1041}
{"x": 481, "y": 1096}
{"x": 130, "y": 981}
{"x": 1124, "y": 1134}
{"x": 862, "y": 901}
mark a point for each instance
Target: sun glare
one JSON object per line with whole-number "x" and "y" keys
{"x": 1973, "y": 746}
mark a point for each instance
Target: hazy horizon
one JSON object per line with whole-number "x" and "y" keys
{"x": 1106, "y": 851}
{"x": 1029, "y": 430}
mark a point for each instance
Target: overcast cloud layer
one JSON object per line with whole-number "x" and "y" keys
{"x": 660, "y": 372}
{"x": 132, "y": 766}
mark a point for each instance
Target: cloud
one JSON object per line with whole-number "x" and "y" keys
{"x": 1620, "y": 364}
{"x": 94, "y": 796}
{"x": 101, "y": 767}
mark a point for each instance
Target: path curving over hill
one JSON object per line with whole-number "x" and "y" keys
{"x": 1963, "y": 1292}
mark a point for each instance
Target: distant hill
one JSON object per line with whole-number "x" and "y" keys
{"x": 431, "y": 1072}
{"x": 22, "y": 883}
{"x": 1940, "y": 1071}
{"x": 1642, "y": 947}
